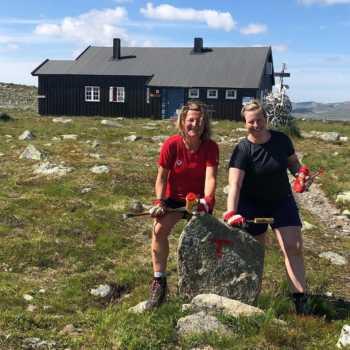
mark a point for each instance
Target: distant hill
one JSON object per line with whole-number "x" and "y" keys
{"x": 328, "y": 111}
{"x": 18, "y": 96}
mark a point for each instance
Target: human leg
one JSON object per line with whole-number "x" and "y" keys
{"x": 290, "y": 241}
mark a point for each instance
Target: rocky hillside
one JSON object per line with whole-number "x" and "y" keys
{"x": 18, "y": 96}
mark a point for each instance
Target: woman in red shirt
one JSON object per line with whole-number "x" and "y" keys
{"x": 188, "y": 162}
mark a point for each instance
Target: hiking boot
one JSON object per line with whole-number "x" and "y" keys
{"x": 158, "y": 292}
{"x": 302, "y": 304}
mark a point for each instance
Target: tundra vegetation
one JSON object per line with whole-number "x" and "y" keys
{"x": 62, "y": 236}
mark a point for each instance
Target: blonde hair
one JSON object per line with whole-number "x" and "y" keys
{"x": 253, "y": 105}
{"x": 195, "y": 106}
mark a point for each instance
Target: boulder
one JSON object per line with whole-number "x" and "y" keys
{"x": 218, "y": 304}
{"x": 26, "y": 135}
{"x": 200, "y": 323}
{"x": 31, "y": 153}
{"x": 215, "y": 258}
{"x": 334, "y": 258}
{"x": 344, "y": 339}
{"x": 111, "y": 123}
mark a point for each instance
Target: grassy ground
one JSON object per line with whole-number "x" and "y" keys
{"x": 57, "y": 243}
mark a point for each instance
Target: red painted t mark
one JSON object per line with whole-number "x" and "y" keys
{"x": 219, "y": 243}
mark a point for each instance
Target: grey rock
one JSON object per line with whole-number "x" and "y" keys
{"x": 31, "y": 153}
{"x": 200, "y": 323}
{"x": 38, "y": 344}
{"x": 100, "y": 169}
{"x": 95, "y": 144}
{"x": 101, "y": 291}
{"x": 344, "y": 138}
{"x": 233, "y": 270}
{"x": 334, "y": 258}
{"x": 158, "y": 138}
{"x": 132, "y": 138}
{"x": 343, "y": 197}
{"x": 62, "y": 120}
{"x": 307, "y": 226}
{"x": 218, "y": 304}
{"x": 136, "y": 206}
{"x": 69, "y": 137}
{"x": 140, "y": 307}
{"x": 51, "y": 169}
{"x": 344, "y": 339}
{"x": 26, "y": 135}
{"x": 111, "y": 123}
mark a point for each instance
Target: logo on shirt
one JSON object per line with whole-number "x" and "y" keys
{"x": 178, "y": 162}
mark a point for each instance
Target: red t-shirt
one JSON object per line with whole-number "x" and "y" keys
{"x": 187, "y": 169}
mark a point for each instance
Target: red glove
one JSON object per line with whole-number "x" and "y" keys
{"x": 301, "y": 182}
{"x": 206, "y": 205}
{"x": 234, "y": 219}
{"x": 158, "y": 209}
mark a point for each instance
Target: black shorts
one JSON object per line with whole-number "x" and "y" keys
{"x": 284, "y": 212}
{"x": 174, "y": 204}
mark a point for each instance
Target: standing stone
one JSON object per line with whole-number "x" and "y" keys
{"x": 214, "y": 258}
{"x": 31, "y": 153}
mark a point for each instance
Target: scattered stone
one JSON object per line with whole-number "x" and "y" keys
{"x": 331, "y": 136}
{"x": 31, "y": 153}
{"x": 50, "y": 169}
{"x": 95, "y": 155}
{"x": 214, "y": 258}
{"x": 38, "y": 344}
{"x": 9, "y": 136}
{"x": 346, "y": 213}
{"x": 344, "y": 138}
{"x": 226, "y": 189}
{"x": 100, "y": 169}
{"x": 136, "y": 206}
{"x": 2, "y": 154}
{"x": 42, "y": 290}
{"x": 31, "y": 308}
{"x": 95, "y": 144}
{"x": 86, "y": 190}
{"x": 307, "y": 226}
{"x": 69, "y": 329}
{"x": 111, "y": 123}
{"x": 55, "y": 138}
{"x": 241, "y": 129}
{"x": 132, "y": 138}
{"x": 27, "y": 297}
{"x": 218, "y": 304}
{"x": 334, "y": 258}
{"x": 200, "y": 323}
{"x": 344, "y": 339}
{"x": 101, "y": 291}
{"x": 62, "y": 120}
{"x": 69, "y": 137}
{"x": 343, "y": 197}
{"x": 140, "y": 307}
{"x": 26, "y": 135}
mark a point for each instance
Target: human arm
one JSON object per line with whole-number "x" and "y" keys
{"x": 207, "y": 203}
{"x": 159, "y": 207}
{"x": 303, "y": 180}
{"x": 293, "y": 164}
{"x": 235, "y": 179}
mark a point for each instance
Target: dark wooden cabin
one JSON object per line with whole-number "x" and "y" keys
{"x": 154, "y": 81}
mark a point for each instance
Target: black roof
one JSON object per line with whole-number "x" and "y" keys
{"x": 226, "y": 67}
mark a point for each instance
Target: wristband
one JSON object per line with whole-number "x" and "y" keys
{"x": 229, "y": 214}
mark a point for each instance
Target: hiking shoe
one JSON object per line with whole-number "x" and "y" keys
{"x": 158, "y": 292}
{"x": 302, "y": 304}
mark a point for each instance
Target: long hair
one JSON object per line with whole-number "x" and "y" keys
{"x": 195, "y": 106}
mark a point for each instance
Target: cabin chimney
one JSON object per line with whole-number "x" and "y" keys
{"x": 116, "y": 48}
{"x": 198, "y": 45}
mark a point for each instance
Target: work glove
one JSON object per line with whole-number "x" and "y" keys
{"x": 234, "y": 219}
{"x": 158, "y": 209}
{"x": 302, "y": 180}
{"x": 206, "y": 205}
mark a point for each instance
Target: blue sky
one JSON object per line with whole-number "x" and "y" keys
{"x": 311, "y": 36}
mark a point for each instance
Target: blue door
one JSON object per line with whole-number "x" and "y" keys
{"x": 172, "y": 99}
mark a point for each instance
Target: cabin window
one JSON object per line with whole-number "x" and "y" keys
{"x": 212, "y": 93}
{"x": 193, "y": 93}
{"x": 117, "y": 94}
{"x": 92, "y": 93}
{"x": 268, "y": 68}
{"x": 147, "y": 95}
{"x": 231, "y": 94}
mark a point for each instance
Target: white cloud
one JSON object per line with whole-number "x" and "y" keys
{"x": 96, "y": 26}
{"x": 123, "y": 1}
{"x": 214, "y": 19}
{"x": 324, "y": 2}
{"x": 254, "y": 28}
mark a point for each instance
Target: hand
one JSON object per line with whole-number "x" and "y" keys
{"x": 158, "y": 209}
{"x": 206, "y": 204}
{"x": 234, "y": 219}
{"x": 303, "y": 180}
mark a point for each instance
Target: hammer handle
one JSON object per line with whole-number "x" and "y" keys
{"x": 261, "y": 221}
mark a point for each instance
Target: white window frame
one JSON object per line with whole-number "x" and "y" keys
{"x": 268, "y": 68}
{"x": 193, "y": 93}
{"x": 148, "y": 95}
{"x": 228, "y": 97}
{"x": 119, "y": 95}
{"x": 216, "y": 93}
{"x": 92, "y": 94}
